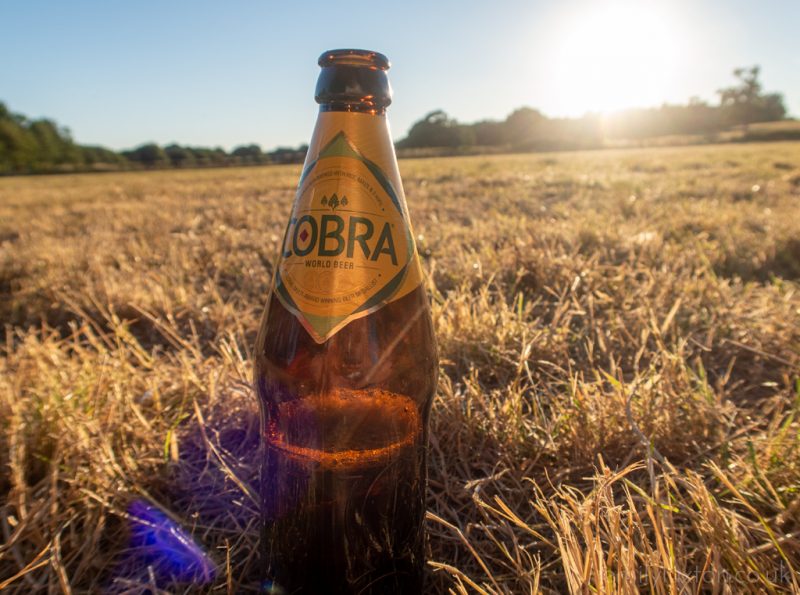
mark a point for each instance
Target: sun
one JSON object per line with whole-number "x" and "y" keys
{"x": 615, "y": 55}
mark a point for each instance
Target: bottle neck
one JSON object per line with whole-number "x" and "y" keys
{"x": 360, "y": 108}
{"x": 364, "y": 133}
{"x": 353, "y": 81}
{"x": 354, "y": 136}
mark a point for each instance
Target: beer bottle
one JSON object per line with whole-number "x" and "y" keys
{"x": 346, "y": 362}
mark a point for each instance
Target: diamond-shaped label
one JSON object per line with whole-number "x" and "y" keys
{"x": 338, "y": 265}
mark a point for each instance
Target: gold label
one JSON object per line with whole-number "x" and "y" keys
{"x": 348, "y": 248}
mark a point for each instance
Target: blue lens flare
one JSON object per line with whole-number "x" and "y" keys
{"x": 164, "y": 546}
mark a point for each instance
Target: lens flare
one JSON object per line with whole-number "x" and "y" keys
{"x": 164, "y": 546}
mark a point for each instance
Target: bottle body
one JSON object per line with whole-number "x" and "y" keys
{"x": 345, "y": 373}
{"x": 343, "y": 475}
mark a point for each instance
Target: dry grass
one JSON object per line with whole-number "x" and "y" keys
{"x": 619, "y": 404}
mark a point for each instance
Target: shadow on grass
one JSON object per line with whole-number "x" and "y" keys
{"x": 197, "y": 527}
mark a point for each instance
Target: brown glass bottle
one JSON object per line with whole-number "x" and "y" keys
{"x": 346, "y": 363}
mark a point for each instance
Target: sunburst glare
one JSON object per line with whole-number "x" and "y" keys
{"x": 614, "y": 56}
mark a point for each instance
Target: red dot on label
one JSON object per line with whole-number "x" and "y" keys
{"x": 304, "y": 235}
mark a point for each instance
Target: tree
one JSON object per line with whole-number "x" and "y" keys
{"x": 35, "y": 145}
{"x": 149, "y": 155}
{"x": 524, "y": 125}
{"x": 53, "y": 143}
{"x": 248, "y": 153}
{"x": 437, "y": 129}
{"x": 17, "y": 147}
{"x": 179, "y": 156}
{"x": 745, "y": 103}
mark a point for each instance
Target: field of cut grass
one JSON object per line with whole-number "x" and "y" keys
{"x": 619, "y": 403}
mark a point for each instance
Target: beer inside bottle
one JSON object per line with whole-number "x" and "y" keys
{"x": 346, "y": 364}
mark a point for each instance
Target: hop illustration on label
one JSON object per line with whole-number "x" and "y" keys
{"x": 334, "y": 201}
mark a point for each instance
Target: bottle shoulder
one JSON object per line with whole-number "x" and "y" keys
{"x": 392, "y": 349}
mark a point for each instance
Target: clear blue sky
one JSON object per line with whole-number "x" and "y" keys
{"x": 225, "y": 73}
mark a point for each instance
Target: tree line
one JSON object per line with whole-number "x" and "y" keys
{"x": 42, "y": 146}
{"x": 527, "y": 129}
{"x": 151, "y": 155}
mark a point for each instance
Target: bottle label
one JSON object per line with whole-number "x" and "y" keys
{"x": 348, "y": 249}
